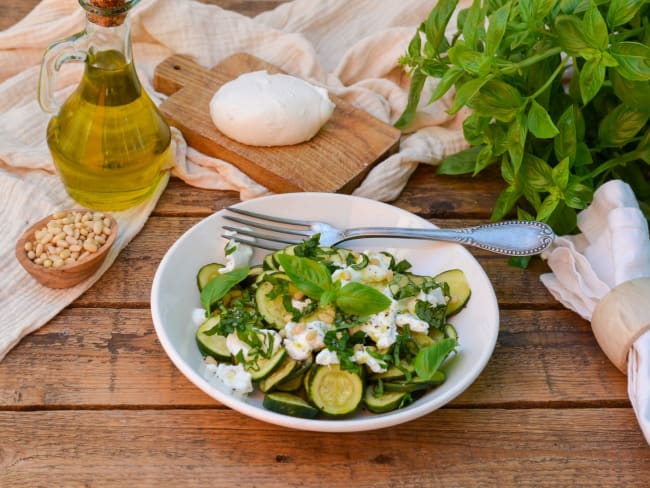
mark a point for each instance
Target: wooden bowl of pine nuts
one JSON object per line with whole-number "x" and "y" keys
{"x": 66, "y": 247}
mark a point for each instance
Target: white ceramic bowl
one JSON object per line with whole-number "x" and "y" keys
{"x": 174, "y": 296}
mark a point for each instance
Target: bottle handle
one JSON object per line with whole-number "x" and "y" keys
{"x": 72, "y": 48}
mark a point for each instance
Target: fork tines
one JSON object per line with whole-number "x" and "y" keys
{"x": 279, "y": 234}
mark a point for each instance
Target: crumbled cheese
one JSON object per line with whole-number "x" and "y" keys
{"x": 235, "y": 345}
{"x": 300, "y": 304}
{"x": 232, "y": 379}
{"x": 415, "y": 324}
{"x": 434, "y": 297}
{"x": 239, "y": 256}
{"x": 381, "y": 327}
{"x": 303, "y": 338}
{"x": 362, "y": 356}
{"x": 326, "y": 357}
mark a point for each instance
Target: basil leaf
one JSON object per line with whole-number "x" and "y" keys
{"x": 540, "y": 122}
{"x": 505, "y": 202}
{"x": 475, "y": 129}
{"x": 633, "y": 60}
{"x": 566, "y": 141}
{"x": 620, "y": 126}
{"x": 595, "y": 28}
{"x": 484, "y": 159}
{"x": 496, "y": 28}
{"x": 499, "y": 100}
{"x": 538, "y": 173}
{"x": 517, "y": 139}
{"x": 631, "y": 93}
{"x": 217, "y": 288}
{"x": 560, "y": 174}
{"x": 466, "y": 92}
{"x": 359, "y": 299}
{"x": 592, "y": 77}
{"x": 436, "y": 23}
{"x": 470, "y": 61}
{"x": 472, "y": 24}
{"x": 548, "y": 207}
{"x": 570, "y": 34}
{"x": 459, "y": 163}
{"x": 429, "y": 359}
{"x": 446, "y": 82}
{"x": 415, "y": 46}
{"x": 309, "y": 276}
{"x": 415, "y": 90}
{"x": 578, "y": 195}
{"x": 622, "y": 11}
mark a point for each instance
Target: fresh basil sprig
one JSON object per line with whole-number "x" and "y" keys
{"x": 217, "y": 288}
{"x": 555, "y": 141}
{"x": 314, "y": 280}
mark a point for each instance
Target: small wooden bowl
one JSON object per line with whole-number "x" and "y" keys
{"x": 67, "y": 275}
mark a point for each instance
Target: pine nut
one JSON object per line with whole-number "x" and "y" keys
{"x": 68, "y": 237}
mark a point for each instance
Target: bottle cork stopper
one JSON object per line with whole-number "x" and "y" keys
{"x": 107, "y": 13}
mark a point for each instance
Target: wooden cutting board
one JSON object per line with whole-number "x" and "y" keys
{"x": 335, "y": 160}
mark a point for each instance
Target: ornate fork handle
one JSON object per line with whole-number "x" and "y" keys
{"x": 513, "y": 238}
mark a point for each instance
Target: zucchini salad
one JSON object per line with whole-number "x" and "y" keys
{"x": 324, "y": 332}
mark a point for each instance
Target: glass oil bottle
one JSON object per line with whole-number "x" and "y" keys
{"x": 109, "y": 142}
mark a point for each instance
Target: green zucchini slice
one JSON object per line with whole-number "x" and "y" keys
{"x": 280, "y": 374}
{"x": 335, "y": 391}
{"x": 290, "y": 384}
{"x": 459, "y": 289}
{"x": 390, "y": 400}
{"x": 272, "y": 310}
{"x": 212, "y": 344}
{"x": 207, "y": 273}
{"x": 416, "y": 383}
{"x": 289, "y": 404}
{"x": 263, "y": 367}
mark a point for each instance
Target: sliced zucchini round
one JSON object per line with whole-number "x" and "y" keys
{"x": 394, "y": 373}
{"x": 207, "y": 273}
{"x": 290, "y": 384}
{"x": 253, "y": 274}
{"x": 263, "y": 367}
{"x": 335, "y": 391}
{"x": 280, "y": 374}
{"x": 289, "y": 404}
{"x": 390, "y": 400}
{"x": 459, "y": 289}
{"x": 271, "y": 310}
{"x": 212, "y": 344}
{"x": 450, "y": 332}
{"x": 416, "y": 383}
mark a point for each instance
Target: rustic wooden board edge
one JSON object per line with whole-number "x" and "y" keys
{"x": 180, "y": 77}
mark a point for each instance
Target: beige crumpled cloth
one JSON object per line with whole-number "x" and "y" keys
{"x": 612, "y": 248}
{"x": 351, "y": 47}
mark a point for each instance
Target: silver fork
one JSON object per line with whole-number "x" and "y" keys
{"x": 513, "y": 238}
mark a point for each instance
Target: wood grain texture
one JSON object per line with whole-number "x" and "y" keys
{"x": 336, "y": 159}
{"x": 536, "y": 447}
{"x": 534, "y": 363}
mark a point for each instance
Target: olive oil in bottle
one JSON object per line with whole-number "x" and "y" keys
{"x": 109, "y": 142}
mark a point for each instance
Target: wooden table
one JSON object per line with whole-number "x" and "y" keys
{"x": 91, "y": 399}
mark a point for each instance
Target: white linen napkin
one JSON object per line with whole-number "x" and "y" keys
{"x": 611, "y": 252}
{"x": 352, "y": 48}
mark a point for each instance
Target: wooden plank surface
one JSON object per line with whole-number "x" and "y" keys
{"x": 91, "y": 399}
{"x": 336, "y": 159}
{"x": 199, "y": 448}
